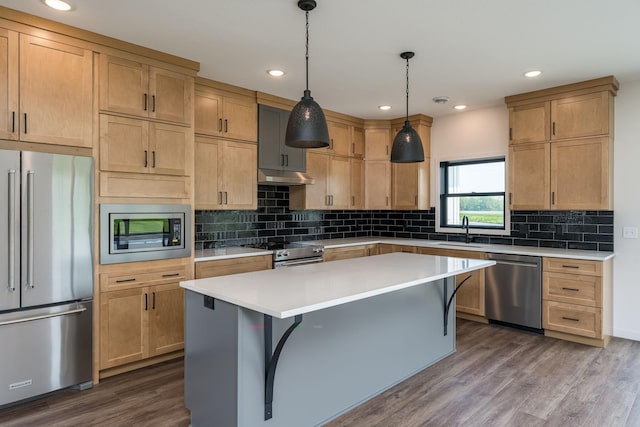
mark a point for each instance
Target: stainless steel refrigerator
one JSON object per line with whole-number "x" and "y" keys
{"x": 46, "y": 273}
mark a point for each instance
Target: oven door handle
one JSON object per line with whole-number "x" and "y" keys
{"x": 301, "y": 262}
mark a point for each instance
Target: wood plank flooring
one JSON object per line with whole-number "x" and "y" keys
{"x": 498, "y": 377}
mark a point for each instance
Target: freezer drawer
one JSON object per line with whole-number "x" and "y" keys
{"x": 45, "y": 349}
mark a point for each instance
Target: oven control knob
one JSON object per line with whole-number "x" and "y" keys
{"x": 318, "y": 250}
{"x": 285, "y": 253}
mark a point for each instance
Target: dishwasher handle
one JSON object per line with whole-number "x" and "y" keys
{"x": 517, "y": 263}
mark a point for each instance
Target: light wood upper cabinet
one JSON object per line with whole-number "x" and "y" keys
{"x": 405, "y": 185}
{"x": 139, "y": 146}
{"x": 332, "y": 186}
{"x": 357, "y": 184}
{"x": 580, "y": 174}
{"x": 225, "y": 174}
{"x": 46, "y": 91}
{"x": 580, "y": 116}
{"x": 377, "y": 144}
{"x": 225, "y": 115}
{"x": 377, "y": 184}
{"x": 340, "y": 136}
{"x": 529, "y": 176}
{"x": 530, "y": 123}
{"x": 357, "y": 143}
{"x": 138, "y": 89}
{"x": 8, "y": 84}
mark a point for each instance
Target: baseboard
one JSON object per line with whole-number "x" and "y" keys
{"x": 472, "y": 317}
{"x": 595, "y": 342}
{"x": 106, "y": 373}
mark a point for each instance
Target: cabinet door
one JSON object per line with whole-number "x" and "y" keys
{"x": 240, "y": 118}
{"x": 166, "y": 319}
{"x": 271, "y": 137}
{"x": 169, "y": 148}
{"x": 404, "y": 188}
{"x": 529, "y": 123}
{"x": 123, "y": 326}
{"x": 207, "y": 113}
{"x": 56, "y": 93}
{"x": 318, "y": 169}
{"x": 357, "y": 143}
{"x": 223, "y": 267}
{"x": 580, "y": 174}
{"x": 347, "y": 252}
{"x": 238, "y": 165}
{"x": 170, "y": 96}
{"x": 124, "y": 86}
{"x": 8, "y": 84}
{"x": 377, "y": 184}
{"x": 340, "y": 138}
{"x": 357, "y": 184}
{"x": 579, "y": 116}
{"x": 529, "y": 170}
{"x": 207, "y": 188}
{"x": 124, "y": 144}
{"x": 340, "y": 182}
{"x": 376, "y": 142}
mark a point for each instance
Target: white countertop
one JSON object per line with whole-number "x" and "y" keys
{"x": 226, "y": 253}
{"x": 287, "y": 292}
{"x": 479, "y": 247}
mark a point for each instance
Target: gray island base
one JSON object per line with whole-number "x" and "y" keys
{"x": 366, "y": 338}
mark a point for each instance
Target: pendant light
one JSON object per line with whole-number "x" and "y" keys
{"x": 307, "y": 126}
{"x": 407, "y": 146}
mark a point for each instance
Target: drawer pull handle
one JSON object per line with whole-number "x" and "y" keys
{"x": 570, "y": 318}
{"x": 125, "y": 280}
{"x": 570, "y": 266}
{"x": 571, "y": 289}
{"x": 171, "y": 275}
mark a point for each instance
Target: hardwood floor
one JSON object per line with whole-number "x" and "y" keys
{"x": 498, "y": 377}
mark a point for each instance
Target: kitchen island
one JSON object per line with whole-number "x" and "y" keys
{"x": 345, "y": 331}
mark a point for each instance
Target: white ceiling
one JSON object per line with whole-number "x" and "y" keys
{"x": 473, "y": 51}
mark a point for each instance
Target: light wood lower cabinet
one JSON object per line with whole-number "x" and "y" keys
{"x": 577, "y": 300}
{"x": 348, "y": 252}
{"x": 141, "y": 314}
{"x": 470, "y": 296}
{"x": 224, "y": 267}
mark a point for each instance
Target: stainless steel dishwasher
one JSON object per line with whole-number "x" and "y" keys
{"x": 513, "y": 290}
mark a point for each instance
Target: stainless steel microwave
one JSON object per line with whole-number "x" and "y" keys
{"x": 144, "y": 232}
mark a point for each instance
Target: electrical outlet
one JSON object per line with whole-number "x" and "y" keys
{"x": 630, "y": 232}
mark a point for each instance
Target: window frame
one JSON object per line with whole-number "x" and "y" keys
{"x": 444, "y": 196}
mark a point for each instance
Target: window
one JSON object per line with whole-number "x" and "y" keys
{"x": 473, "y": 188}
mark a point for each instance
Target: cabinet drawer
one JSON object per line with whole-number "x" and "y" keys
{"x": 572, "y": 319}
{"x": 133, "y": 279}
{"x": 573, "y": 288}
{"x": 572, "y": 266}
{"x": 224, "y": 267}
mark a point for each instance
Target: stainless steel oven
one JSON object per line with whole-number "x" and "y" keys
{"x": 143, "y": 232}
{"x": 292, "y": 254}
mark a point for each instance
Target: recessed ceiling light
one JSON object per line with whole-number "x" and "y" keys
{"x": 460, "y": 107}
{"x": 384, "y": 107}
{"x": 275, "y": 73}
{"x": 61, "y": 5}
{"x": 532, "y": 73}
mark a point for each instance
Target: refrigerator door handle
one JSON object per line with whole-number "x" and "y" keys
{"x": 12, "y": 230}
{"x": 80, "y": 309}
{"x": 30, "y": 209}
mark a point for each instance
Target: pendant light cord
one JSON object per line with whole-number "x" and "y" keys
{"x": 407, "y": 89}
{"x": 307, "y": 49}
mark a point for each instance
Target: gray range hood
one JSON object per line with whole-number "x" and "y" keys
{"x": 273, "y": 176}
{"x": 278, "y": 164}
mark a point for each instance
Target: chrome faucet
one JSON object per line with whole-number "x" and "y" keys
{"x": 465, "y": 226}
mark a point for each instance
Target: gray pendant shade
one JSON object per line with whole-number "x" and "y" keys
{"x": 407, "y": 146}
{"x": 307, "y": 126}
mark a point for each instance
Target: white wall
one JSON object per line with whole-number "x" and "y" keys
{"x": 626, "y": 290}
{"x": 484, "y": 133}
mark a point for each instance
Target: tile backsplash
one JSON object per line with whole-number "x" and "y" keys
{"x": 590, "y": 230}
